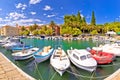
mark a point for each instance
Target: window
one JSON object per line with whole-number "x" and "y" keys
{"x": 89, "y": 56}
{"x": 83, "y": 57}
{"x": 75, "y": 56}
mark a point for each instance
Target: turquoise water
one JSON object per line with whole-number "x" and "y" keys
{"x": 44, "y": 71}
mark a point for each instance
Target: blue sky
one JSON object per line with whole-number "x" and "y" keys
{"x": 27, "y": 12}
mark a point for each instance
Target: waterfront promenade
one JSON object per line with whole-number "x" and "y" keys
{"x": 114, "y": 76}
{"x": 9, "y": 71}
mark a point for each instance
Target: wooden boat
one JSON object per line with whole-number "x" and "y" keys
{"x": 82, "y": 59}
{"x": 102, "y": 57}
{"x": 25, "y": 54}
{"x": 43, "y": 54}
{"x": 60, "y": 61}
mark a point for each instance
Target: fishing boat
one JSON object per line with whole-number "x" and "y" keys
{"x": 20, "y": 48}
{"x": 43, "y": 54}
{"x": 24, "y": 54}
{"x": 60, "y": 61}
{"x": 102, "y": 57}
{"x": 82, "y": 59}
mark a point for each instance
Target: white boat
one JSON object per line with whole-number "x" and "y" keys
{"x": 43, "y": 54}
{"x": 109, "y": 48}
{"x": 82, "y": 59}
{"x": 60, "y": 61}
{"x": 5, "y": 40}
{"x": 13, "y": 42}
{"x": 25, "y": 54}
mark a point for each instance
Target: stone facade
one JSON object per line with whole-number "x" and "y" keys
{"x": 9, "y": 31}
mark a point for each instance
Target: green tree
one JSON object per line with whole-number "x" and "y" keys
{"x": 35, "y": 26}
{"x": 93, "y": 32}
{"x": 79, "y": 17}
{"x": 23, "y": 28}
{"x": 93, "y": 20}
{"x": 35, "y": 32}
{"x": 31, "y": 28}
{"x": 76, "y": 32}
{"x": 52, "y": 24}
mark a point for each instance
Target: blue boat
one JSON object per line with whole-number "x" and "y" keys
{"x": 43, "y": 54}
{"x": 19, "y": 48}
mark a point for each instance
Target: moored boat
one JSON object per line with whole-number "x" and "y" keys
{"x": 109, "y": 48}
{"x": 60, "y": 61}
{"x": 43, "y": 54}
{"x": 20, "y": 48}
{"x": 82, "y": 59}
{"x": 24, "y": 54}
{"x": 102, "y": 57}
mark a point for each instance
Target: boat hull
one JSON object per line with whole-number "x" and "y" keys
{"x": 16, "y": 49}
{"x": 60, "y": 71}
{"x": 23, "y": 57}
{"x": 60, "y": 64}
{"x": 102, "y": 57}
{"x": 39, "y": 60}
{"x": 90, "y": 69}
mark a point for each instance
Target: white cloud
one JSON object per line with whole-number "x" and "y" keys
{"x": 33, "y": 13}
{"x": 1, "y": 19}
{"x": 22, "y": 6}
{"x": 27, "y": 20}
{"x": 47, "y": 7}
{"x": 44, "y": 14}
{"x": 82, "y": 15}
{"x": 20, "y": 22}
{"x": 52, "y": 15}
{"x": 0, "y": 9}
{"x": 35, "y": 1}
{"x": 15, "y": 15}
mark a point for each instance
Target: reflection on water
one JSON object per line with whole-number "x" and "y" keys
{"x": 44, "y": 71}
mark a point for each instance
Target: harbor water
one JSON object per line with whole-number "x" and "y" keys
{"x": 44, "y": 71}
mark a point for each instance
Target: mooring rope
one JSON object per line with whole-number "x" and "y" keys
{"x": 85, "y": 76}
{"x": 38, "y": 71}
{"x": 53, "y": 76}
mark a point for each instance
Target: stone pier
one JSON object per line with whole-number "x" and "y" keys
{"x": 9, "y": 71}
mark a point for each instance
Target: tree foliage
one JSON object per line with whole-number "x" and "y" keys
{"x": 93, "y": 20}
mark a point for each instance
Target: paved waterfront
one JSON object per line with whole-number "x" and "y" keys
{"x": 114, "y": 76}
{"x": 8, "y": 71}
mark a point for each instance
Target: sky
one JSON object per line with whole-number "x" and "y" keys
{"x": 28, "y": 12}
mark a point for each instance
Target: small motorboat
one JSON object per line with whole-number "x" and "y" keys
{"x": 102, "y": 57}
{"x": 43, "y": 54}
{"x": 20, "y": 48}
{"x": 60, "y": 61}
{"x": 12, "y": 42}
{"x": 24, "y": 54}
{"x": 82, "y": 59}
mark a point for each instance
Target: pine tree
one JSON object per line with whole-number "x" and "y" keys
{"x": 84, "y": 20}
{"x": 78, "y": 17}
{"x": 93, "y": 20}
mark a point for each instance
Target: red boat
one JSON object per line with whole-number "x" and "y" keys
{"x": 102, "y": 57}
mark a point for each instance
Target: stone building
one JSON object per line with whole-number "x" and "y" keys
{"x": 9, "y": 31}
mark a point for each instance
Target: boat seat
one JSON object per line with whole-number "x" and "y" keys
{"x": 63, "y": 58}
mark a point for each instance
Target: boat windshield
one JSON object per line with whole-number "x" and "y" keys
{"x": 89, "y": 56}
{"x": 83, "y": 57}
